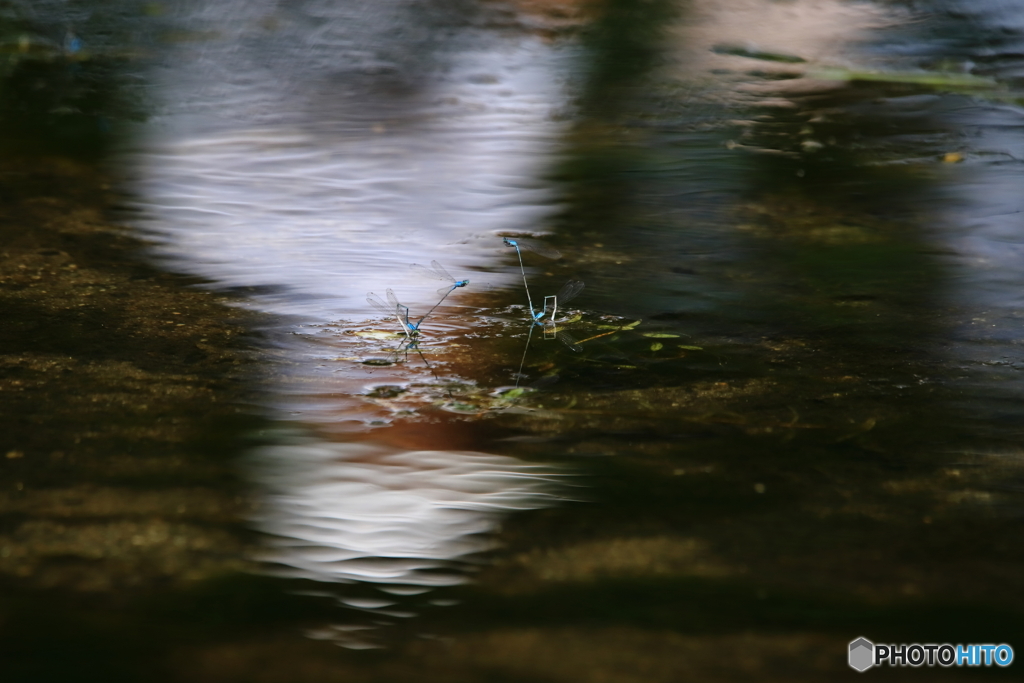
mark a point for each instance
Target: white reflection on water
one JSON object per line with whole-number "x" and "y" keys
{"x": 326, "y": 203}
{"x": 355, "y": 512}
{"x": 312, "y": 153}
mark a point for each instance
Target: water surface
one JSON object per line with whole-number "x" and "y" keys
{"x": 793, "y": 420}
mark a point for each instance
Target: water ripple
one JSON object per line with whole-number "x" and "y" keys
{"x": 341, "y": 512}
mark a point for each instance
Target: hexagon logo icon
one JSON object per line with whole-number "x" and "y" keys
{"x": 862, "y": 654}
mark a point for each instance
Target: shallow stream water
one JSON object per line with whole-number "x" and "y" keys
{"x": 790, "y": 415}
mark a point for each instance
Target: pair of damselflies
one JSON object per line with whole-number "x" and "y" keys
{"x": 395, "y": 308}
{"x": 545, "y": 315}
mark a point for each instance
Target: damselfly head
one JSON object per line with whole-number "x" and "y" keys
{"x": 532, "y": 245}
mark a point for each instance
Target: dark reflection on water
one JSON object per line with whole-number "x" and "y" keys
{"x": 794, "y": 419}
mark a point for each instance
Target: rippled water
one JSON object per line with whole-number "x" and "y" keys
{"x": 794, "y": 419}
{"x": 355, "y": 152}
{"x": 309, "y": 155}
